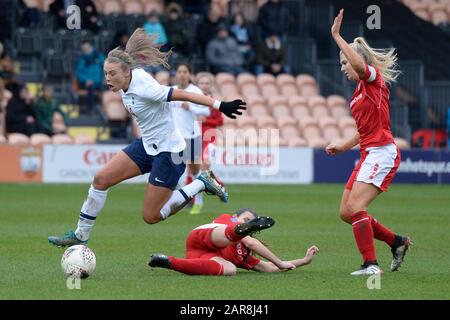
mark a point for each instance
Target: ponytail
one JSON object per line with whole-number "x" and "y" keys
{"x": 139, "y": 51}
{"x": 384, "y": 60}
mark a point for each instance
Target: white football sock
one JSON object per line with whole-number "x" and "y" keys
{"x": 181, "y": 197}
{"x": 91, "y": 208}
{"x": 198, "y": 199}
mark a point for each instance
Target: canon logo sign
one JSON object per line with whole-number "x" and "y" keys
{"x": 95, "y": 157}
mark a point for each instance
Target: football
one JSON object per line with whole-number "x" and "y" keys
{"x": 78, "y": 261}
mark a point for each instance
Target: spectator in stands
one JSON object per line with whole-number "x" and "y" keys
{"x": 154, "y": 27}
{"x": 50, "y": 119}
{"x": 120, "y": 40}
{"x": 177, "y": 30}
{"x": 88, "y": 13}
{"x": 3, "y": 103}
{"x": 240, "y": 31}
{"x": 29, "y": 16}
{"x": 205, "y": 29}
{"x": 271, "y": 55}
{"x": 20, "y": 116}
{"x": 90, "y": 71}
{"x": 273, "y": 18}
{"x": 7, "y": 72}
{"x": 198, "y": 7}
{"x": 222, "y": 53}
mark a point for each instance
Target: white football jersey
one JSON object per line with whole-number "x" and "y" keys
{"x": 186, "y": 120}
{"x": 148, "y": 102}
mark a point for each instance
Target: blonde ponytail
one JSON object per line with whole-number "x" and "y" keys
{"x": 139, "y": 51}
{"x": 383, "y": 59}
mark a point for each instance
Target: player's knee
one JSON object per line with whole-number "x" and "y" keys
{"x": 150, "y": 218}
{"x": 101, "y": 182}
{"x": 229, "y": 269}
{"x": 345, "y": 213}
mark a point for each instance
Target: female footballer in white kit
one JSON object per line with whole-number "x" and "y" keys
{"x": 158, "y": 151}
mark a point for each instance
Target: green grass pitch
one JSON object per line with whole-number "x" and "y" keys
{"x": 305, "y": 215}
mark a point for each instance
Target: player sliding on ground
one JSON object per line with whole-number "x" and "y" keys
{"x": 220, "y": 247}
{"x": 159, "y": 151}
{"x": 372, "y": 70}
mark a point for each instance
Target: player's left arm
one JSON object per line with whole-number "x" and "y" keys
{"x": 264, "y": 266}
{"x": 230, "y": 108}
{"x": 356, "y": 61}
{"x": 257, "y": 247}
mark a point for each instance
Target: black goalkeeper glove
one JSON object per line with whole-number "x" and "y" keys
{"x": 231, "y": 109}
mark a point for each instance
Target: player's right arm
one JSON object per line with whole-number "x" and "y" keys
{"x": 333, "y": 149}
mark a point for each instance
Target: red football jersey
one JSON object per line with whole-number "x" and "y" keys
{"x": 370, "y": 109}
{"x": 236, "y": 253}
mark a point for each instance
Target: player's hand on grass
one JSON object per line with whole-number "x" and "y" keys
{"x": 286, "y": 265}
{"x": 310, "y": 253}
{"x": 336, "y": 27}
{"x": 333, "y": 149}
{"x": 232, "y": 108}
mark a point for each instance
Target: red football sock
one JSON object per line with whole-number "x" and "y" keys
{"x": 231, "y": 234}
{"x": 196, "y": 266}
{"x": 382, "y": 233}
{"x": 363, "y": 232}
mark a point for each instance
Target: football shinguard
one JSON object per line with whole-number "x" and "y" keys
{"x": 91, "y": 208}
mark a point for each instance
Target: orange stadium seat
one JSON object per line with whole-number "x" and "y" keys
{"x": 84, "y": 139}
{"x": 316, "y": 142}
{"x": 249, "y": 89}
{"x": 266, "y": 122}
{"x": 280, "y": 111}
{"x": 297, "y": 142}
{"x": 2, "y": 139}
{"x": 62, "y": 139}
{"x": 255, "y": 100}
{"x": 438, "y": 13}
{"x": 329, "y": 129}
{"x": 223, "y": 77}
{"x": 39, "y": 139}
{"x": 307, "y": 85}
{"x": 265, "y": 78}
{"x": 18, "y": 139}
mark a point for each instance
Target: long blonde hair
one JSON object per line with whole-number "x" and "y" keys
{"x": 139, "y": 51}
{"x": 383, "y": 59}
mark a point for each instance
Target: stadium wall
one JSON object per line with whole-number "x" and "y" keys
{"x": 78, "y": 164}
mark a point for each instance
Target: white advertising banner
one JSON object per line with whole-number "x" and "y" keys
{"x": 78, "y": 163}
{"x": 269, "y": 165}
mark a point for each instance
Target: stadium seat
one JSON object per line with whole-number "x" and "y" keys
{"x": 286, "y": 85}
{"x": 316, "y": 142}
{"x": 438, "y": 13}
{"x": 249, "y": 89}
{"x": 257, "y": 111}
{"x": 335, "y": 100}
{"x": 39, "y": 139}
{"x": 300, "y": 111}
{"x": 285, "y": 121}
{"x": 288, "y": 132}
{"x": 329, "y": 129}
{"x": 276, "y": 100}
{"x": 265, "y": 78}
{"x": 420, "y": 10}
{"x": 339, "y": 112}
{"x": 84, "y": 139}
{"x": 268, "y": 90}
{"x": 309, "y": 127}
{"x": 245, "y": 78}
{"x": 228, "y": 89}
{"x": 223, "y": 77}
{"x": 154, "y": 5}
{"x": 45, "y": 4}
{"x": 133, "y": 7}
{"x": 2, "y": 139}
{"x": 297, "y": 142}
{"x": 318, "y": 106}
{"x": 265, "y": 122}
{"x": 18, "y": 139}
{"x": 115, "y": 111}
{"x": 307, "y": 85}
{"x": 163, "y": 77}
{"x": 58, "y": 123}
{"x": 62, "y": 139}
{"x": 33, "y": 4}
{"x": 280, "y": 111}
{"x": 112, "y": 6}
{"x": 245, "y": 122}
{"x": 109, "y": 96}
{"x": 297, "y": 101}
{"x": 402, "y": 143}
{"x": 255, "y": 100}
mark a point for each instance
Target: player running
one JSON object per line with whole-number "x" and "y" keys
{"x": 372, "y": 70}
{"x": 159, "y": 151}
{"x": 220, "y": 247}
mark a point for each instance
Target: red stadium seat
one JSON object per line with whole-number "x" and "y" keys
{"x": 62, "y": 139}
{"x": 245, "y": 78}
{"x": 300, "y": 111}
{"x": 266, "y": 122}
{"x": 297, "y": 101}
{"x": 280, "y": 111}
{"x": 257, "y": 110}
{"x": 2, "y": 139}
{"x": 223, "y": 77}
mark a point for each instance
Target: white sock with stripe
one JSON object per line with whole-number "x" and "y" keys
{"x": 91, "y": 208}
{"x": 181, "y": 197}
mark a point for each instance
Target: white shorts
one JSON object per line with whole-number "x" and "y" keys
{"x": 377, "y": 166}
